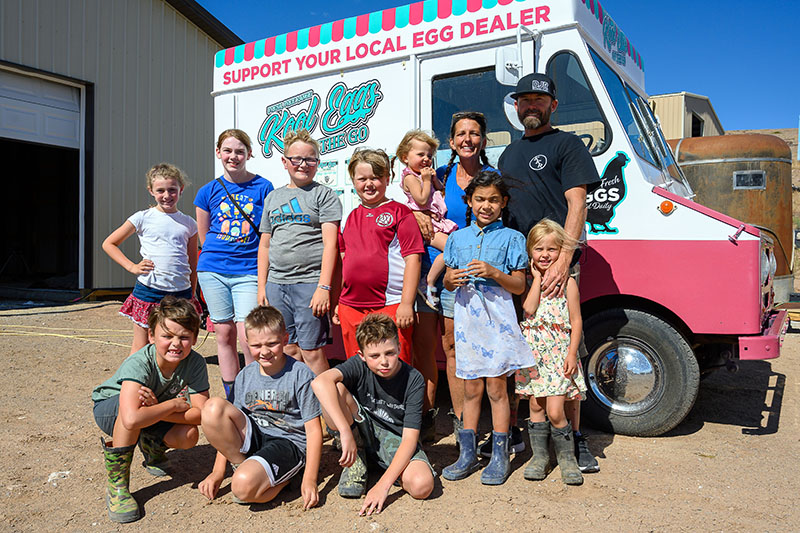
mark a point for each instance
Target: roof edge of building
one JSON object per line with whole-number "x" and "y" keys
{"x": 207, "y": 22}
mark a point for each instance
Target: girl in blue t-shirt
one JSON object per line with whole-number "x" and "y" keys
{"x": 228, "y": 216}
{"x": 485, "y": 265}
{"x": 168, "y": 246}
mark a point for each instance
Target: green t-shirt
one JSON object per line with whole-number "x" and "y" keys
{"x": 142, "y": 368}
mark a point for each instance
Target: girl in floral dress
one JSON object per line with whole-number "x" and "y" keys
{"x": 553, "y": 328}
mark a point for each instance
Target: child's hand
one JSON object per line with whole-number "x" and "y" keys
{"x": 481, "y": 269}
{"x": 373, "y": 503}
{"x": 320, "y": 302}
{"x": 143, "y": 267}
{"x": 335, "y": 316}
{"x": 458, "y": 277}
{"x": 537, "y": 276}
{"x": 262, "y": 296}
{"x": 146, "y": 397}
{"x": 349, "y": 449}
{"x": 570, "y": 365}
{"x": 181, "y": 405}
{"x": 310, "y": 494}
{"x": 404, "y": 316}
{"x": 427, "y": 174}
{"x": 210, "y": 486}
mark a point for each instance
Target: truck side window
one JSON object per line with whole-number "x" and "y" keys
{"x": 578, "y": 111}
{"x": 622, "y": 103}
{"x": 474, "y": 90}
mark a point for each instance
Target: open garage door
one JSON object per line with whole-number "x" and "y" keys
{"x": 40, "y": 145}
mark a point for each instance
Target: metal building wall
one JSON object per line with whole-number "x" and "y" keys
{"x": 151, "y": 74}
{"x": 702, "y": 108}
{"x": 669, "y": 109}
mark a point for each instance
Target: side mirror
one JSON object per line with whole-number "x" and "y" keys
{"x": 511, "y": 113}
{"x": 507, "y": 65}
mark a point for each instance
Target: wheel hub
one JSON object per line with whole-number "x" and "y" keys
{"x": 626, "y": 375}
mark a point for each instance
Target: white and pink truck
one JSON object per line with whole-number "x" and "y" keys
{"x": 670, "y": 289}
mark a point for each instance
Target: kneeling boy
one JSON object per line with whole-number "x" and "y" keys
{"x": 273, "y": 414}
{"x": 141, "y": 402}
{"x": 383, "y": 396}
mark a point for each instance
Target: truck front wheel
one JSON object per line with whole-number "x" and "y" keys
{"x": 641, "y": 374}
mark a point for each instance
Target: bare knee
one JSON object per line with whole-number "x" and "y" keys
{"x": 419, "y": 485}
{"x": 496, "y": 390}
{"x": 182, "y": 437}
{"x": 473, "y": 389}
{"x": 213, "y": 411}
{"x": 249, "y": 484}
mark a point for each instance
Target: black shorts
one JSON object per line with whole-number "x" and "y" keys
{"x": 280, "y": 457}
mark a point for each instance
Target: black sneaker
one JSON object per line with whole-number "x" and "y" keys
{"x": 516, "y": 444}
{"x": 586, "y": 461}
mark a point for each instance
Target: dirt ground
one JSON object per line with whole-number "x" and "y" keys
{"x": 730, "y": 466}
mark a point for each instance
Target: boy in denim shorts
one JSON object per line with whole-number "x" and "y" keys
{"x": 297, "y": 253}
{"x": 379, "y": 413}
{"x": 272, "y": 429}
{"x": 144, "y": 402}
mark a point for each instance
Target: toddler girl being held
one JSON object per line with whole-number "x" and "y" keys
{"x": 553, "y": 329}
{"x": 424, "y": 193}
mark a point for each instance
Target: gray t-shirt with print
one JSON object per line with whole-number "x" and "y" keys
{"x": 294, "y": 217}
{"x": 278, "y": 405}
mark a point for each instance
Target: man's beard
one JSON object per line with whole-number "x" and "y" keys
{"x": 533, "y": 121}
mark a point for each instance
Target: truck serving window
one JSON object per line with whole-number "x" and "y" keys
{"x": 578, "y": 111}
{"x": 474, "y": 90}
{"x": 622, "y": 103}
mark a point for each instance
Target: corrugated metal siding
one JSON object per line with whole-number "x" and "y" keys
{"x": 152, "y": 75}
{"x": 669, "y": 109}
{"x": 702, "y": 108}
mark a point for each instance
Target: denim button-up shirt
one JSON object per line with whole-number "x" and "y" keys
{"x": 501, "y": 247}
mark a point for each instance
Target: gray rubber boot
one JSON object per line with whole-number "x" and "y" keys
{"x": 539, "y": 465}
{"x": 565, "y": 453}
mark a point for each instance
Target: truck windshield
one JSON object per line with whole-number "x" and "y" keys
{"x": 625, "y": 108}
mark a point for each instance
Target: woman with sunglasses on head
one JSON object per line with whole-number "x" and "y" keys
{"x": 297, "y": 255}
{"x": 228, "y": 211}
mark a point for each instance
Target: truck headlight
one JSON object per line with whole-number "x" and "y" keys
{"x": 765, "y": 266}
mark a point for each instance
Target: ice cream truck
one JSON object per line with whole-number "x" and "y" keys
{"x": 670, "y": 289}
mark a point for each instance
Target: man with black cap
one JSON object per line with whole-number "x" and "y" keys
{"x": 550, "y": 171}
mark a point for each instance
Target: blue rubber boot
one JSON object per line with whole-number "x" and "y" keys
{"x": 467, "y": 460}
{"x": 498, "y": 469}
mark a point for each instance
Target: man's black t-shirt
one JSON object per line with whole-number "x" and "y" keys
{"x": 394, "y": 402}
{"x": 540, "y": 169}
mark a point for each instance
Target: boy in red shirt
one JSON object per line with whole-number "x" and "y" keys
{"x": 381, "y": 247}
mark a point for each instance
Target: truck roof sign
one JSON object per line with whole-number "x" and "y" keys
{"x": 421, "y": 27}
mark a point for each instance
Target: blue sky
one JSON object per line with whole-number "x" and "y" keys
{"x": 739, "y": 53}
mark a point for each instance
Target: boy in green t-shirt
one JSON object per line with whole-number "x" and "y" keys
{"x": 142, "y": 402}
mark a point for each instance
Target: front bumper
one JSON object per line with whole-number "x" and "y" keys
{"x": 768, "y": 344}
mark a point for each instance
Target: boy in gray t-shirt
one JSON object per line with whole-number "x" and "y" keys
{"x": 272, "y": 428}
{"x": 297, "y": 252}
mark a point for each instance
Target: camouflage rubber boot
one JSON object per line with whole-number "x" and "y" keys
{"x": 353, "y": 481}
{"x": 122, "y": 507}
{"x": 155, "y": 455}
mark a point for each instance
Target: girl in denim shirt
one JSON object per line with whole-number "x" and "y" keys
{"x": 486, "y": 264}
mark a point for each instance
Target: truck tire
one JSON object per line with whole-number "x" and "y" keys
{"x": 641, "y": 374}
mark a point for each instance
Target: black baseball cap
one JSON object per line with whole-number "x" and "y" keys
{"x": 535, "y": 83}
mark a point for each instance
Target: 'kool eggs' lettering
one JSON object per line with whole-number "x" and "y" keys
{"x": 348, "y": 107}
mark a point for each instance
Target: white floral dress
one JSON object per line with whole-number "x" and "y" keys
{"x": 548, "y": 334}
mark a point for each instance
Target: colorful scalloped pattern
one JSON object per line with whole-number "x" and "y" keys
{"x": 373, "y": 23}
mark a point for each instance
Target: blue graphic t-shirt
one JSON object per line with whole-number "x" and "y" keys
{"x": 231, "y": 245}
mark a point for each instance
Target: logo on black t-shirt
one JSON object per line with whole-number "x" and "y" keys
{"x": 538, "y": 162}
{"x": 384, "y": 220}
